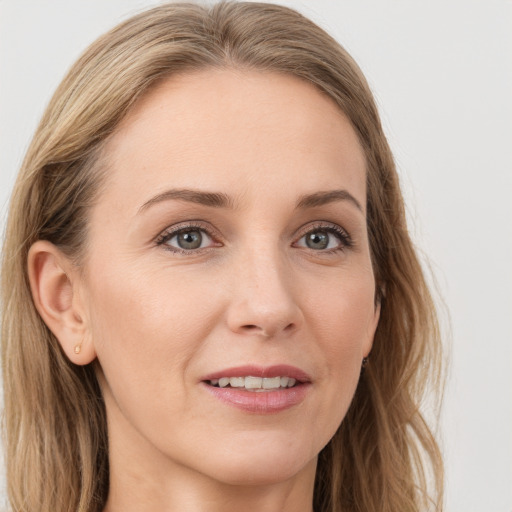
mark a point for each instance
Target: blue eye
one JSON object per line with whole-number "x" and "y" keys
{"x": 318, "y": 240}
{"x": 325, "y": 239}
{"x": 186, "y": 239}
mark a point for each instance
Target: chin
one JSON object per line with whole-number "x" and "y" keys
{"x": 262, "y": 464}
{"x": 260, "y": 475}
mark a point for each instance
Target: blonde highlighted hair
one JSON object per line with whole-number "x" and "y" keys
{"x": 383, "y": 457}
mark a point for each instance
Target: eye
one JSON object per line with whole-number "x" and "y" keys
{"x": 325, "y": 238}
{"x": 186, "y": 239}
{"x": 191, "y": 239}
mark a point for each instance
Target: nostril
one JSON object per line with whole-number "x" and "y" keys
{"x": 257, "y": 330}
{"x": 267, "y": 332}
{"x": 250, "y": 327}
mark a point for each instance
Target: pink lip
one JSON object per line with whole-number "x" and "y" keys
{"x": 266, "y": 402}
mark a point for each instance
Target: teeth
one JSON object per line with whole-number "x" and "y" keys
{"x": 237, "y": 382}
{"x": 223, "y": 382}
{"x": 254, "y": 383}
{"x": 273, "y": 383}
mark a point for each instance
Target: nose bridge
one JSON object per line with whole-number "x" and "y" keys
{"x": 264, "y": 302}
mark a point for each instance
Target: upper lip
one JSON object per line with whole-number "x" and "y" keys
{"x": 278, "y": 370}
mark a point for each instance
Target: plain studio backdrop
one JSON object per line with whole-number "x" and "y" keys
{"x": 442, "y": 74}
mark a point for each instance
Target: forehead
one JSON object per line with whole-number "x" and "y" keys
{"x": 234, "y": 128}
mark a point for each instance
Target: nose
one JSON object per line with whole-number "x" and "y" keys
{"x": 264, "y": 302}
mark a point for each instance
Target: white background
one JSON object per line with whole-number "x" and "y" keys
{"x": 442, "y": 74}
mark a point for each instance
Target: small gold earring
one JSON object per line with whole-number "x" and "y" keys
{"x": 78, "y": 348}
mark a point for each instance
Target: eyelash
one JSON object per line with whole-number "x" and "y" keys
{"x": 170, "y": 233}
{"x": 346, "y": 241}
{"x": 343, "y": 237}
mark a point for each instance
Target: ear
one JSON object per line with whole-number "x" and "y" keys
{"x": 372, "y": 328}
{"x": 54, "y": 285}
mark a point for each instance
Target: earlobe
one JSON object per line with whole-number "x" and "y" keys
{"x": 55, "y": 297}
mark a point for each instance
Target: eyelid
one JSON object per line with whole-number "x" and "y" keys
{"x": 174, "y": 230}
{"x": 341, "y": 233}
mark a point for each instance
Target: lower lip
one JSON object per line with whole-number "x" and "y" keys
{"x": 260, "y": 402}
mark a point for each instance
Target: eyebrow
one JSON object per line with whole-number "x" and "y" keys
{"x": 221, "y": 200}
{"x": 330, "y": 196}
{"x": 212, "y": 199}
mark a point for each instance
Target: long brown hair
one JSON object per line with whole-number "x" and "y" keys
{"x": 384, "y": 457}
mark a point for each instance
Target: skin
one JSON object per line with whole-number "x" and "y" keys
{"x": 158, "y": 321}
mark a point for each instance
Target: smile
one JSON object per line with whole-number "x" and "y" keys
{"x": 259, "y": 389}
{"x": 256, "y": 384}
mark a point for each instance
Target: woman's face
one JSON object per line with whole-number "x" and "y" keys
{"x": 230, "y": 242}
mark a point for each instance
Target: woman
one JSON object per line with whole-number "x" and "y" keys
{"x": 205, "y": 243}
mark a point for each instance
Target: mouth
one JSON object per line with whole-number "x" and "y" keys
{"x": 257, "y": 389}
{"x": 254, "y": 384}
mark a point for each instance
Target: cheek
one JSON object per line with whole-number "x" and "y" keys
{"x": 343, "y": 320}
{"x": 343, "y": 313}
{"x": 146, "y": 327}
